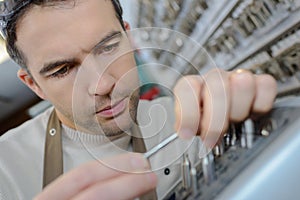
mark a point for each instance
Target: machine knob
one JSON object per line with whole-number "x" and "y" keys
{"x": 208, "y": 168}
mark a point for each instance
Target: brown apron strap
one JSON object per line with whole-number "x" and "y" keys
{"x": 138, "y": 145}
{"x": 53, "y": 156}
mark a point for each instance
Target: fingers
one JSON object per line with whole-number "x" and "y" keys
{"x": 187, "y": 105}
{"x": 97, "y": 172}
{"x": 250, "y": 93}
{"x": 125, "y": 187}
{"x": 266, "y": 91}
{"x": 243, "y": 92}
{"x": 216, "y": 102}
{"x": 205, "y": 106}
{"x": 207, "y": 98}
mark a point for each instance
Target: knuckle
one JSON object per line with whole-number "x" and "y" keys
{"x": 187, "y": 82}
{"x": 243, "y": 79}
{"x": 271, "y": 82}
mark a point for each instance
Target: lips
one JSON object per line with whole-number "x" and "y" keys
{"x": 114, "y": 110}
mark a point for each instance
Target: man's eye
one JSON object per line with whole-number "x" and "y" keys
{"x": 63, "y": 71}
{"x": 109, "y": 48}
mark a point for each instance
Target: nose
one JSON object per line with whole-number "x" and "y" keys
{"x": 103, "y": 85}
{"x": 100, "y": 79}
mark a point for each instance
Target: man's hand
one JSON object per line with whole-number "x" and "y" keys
{"x": 120, "y": 177}
{"x": 206, "y": 104}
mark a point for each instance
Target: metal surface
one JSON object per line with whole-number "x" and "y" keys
{"x": 268, "y": 170}
{"x": 274, "y": 174}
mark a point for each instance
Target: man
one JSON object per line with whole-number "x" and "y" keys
{"x": 75, "y": 54}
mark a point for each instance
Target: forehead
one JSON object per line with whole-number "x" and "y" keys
{"x": 58, "y": 32}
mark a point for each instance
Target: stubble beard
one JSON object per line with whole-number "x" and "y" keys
{"x": 112, "y": 127}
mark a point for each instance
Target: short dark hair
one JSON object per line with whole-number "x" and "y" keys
{"x": 16, "y": 54}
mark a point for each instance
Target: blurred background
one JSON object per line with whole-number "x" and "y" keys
{"x": 15, "y": 97}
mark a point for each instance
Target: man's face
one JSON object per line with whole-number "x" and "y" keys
{"x": 82, "y": 63}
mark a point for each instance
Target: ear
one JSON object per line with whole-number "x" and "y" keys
{"x": 127, "y": 26}
{"x": 27, "y": 79}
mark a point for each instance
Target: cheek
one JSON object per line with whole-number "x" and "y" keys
{"x": 126, "y": 70}
{"x": 59, "y": 92}
{"x": 60, "y": 95}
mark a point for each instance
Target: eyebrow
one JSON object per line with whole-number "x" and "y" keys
{"x": 52, "y": 65}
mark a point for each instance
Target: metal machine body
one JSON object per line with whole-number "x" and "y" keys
{"x": 269, "y": 169}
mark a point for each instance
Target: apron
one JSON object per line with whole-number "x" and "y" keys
{"x": 53, "y": 154}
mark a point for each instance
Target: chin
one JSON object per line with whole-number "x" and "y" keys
{"x": 116, "y": 126}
